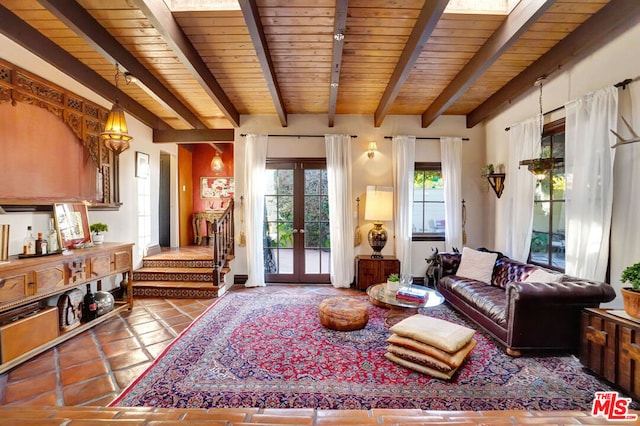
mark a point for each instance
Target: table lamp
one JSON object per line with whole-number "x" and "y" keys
{"x": 378, "y": 208}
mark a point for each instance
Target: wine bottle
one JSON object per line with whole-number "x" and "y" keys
{"x": 29, "y": 245}
{"x": 89, "y": 306}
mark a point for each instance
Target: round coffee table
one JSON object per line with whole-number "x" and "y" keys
{"x": 400, "y": 309}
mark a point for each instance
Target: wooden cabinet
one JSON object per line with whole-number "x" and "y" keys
{"x": 29, "y": 282}
{"x": 610, "y": 347}
{"x": 371, "y": 271}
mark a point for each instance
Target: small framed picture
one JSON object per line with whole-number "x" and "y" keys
{"x": 142, "y": 165}
{"x": 72, "y": 222}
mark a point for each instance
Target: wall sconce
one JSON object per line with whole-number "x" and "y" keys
{"x": 496, "y": 180}
{"x": 371, "y": 150}
{"x": 378, "y": 208}
{"x": 115, "y": 134}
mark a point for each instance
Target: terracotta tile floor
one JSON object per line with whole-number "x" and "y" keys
{"x": 95, "y": 366}
{"x": 73, "y": 382}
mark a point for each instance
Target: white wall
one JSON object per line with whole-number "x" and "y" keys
{"x": 123, "y": 226}
{"x": 612, "y": 63}
{"x": 376, "y": 171}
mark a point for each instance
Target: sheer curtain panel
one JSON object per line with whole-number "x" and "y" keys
{"x": 451, "y": 151}
{"x": 589, "y": 173}
{"x": 524, "y": 144}
{"x": 338, "y": 150}
{"x": 403, "y": 153}
{"x": 255, "y": 161}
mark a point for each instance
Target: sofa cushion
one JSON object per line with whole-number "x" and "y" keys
{"x": 542, "y": 276}
{"x": 508, "y": 270}
{"x": 477, "y": 265}
{"x": 491, "y": 301}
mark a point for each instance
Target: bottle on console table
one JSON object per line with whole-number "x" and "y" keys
{"x": 52, "y": 237}
{"x": 41, "y": 244}
{"x": 29, "y": 244}
{"x": 89, "y": 306}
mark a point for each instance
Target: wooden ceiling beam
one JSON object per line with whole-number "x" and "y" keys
{"x": 157, "y": 12}
{"x": 614, "y": 18}
{"x": 426, "y": 23}
{"x": 32, "y": 40}
{"x": 190, "y": 136}
{"x": 525, "y": 14}
{"x": 83, "y": 24}
{"x": 339, "y": 30}
{"x": 256, "y": 31}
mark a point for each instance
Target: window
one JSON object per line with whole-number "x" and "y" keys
{"x": 428, "y": 202}
{"x": 548, "y": 237}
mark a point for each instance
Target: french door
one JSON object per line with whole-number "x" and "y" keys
{"x": 297, "y": 244}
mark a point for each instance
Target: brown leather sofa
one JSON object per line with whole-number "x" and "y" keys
{"x": 522, "y": 315}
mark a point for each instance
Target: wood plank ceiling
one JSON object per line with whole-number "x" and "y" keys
{"x": 196, "y": 72}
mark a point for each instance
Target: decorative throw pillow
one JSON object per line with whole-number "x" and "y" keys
{"x": 477, "y": 265}
{"x": 542, "y": 276}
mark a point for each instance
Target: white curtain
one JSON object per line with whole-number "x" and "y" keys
{"x": 403, "y": 157}
{"x": 524, "y": 144}
{"x": 451, "y": 151}
{"x": 338, "y": 150}
{"x": 254, "y": 177}
{"x": 589, "y": 182}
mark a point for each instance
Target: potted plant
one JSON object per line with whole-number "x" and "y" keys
{"x": 393, "y": 283}
{"x": 98, "y": 228}
{"x": 631, "y": 295}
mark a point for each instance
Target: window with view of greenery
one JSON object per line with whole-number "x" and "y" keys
{"x": 428, "y": 202}
{"x": 548, "y": 237}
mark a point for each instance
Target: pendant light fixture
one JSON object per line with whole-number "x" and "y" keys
{"x": 115, "y": 134}
{"x": 216, "y": 162}
{"x": 539, "y": 167}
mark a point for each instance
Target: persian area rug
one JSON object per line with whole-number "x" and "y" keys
{"x": 270, "y": 351}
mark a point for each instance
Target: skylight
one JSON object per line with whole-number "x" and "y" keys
{"x": 201, "y": 5}
{"x": 481, "y": 6}
{"x": 455, "y": 6}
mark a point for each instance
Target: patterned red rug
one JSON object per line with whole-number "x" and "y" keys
{"x": 254, "y": 350}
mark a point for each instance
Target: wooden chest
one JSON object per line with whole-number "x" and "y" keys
{"x": 21, "y": 336}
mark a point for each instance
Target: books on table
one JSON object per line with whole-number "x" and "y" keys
{"x": 413, "y": 294}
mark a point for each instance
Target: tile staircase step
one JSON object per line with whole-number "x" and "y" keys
{"x": 175, "y": 289}
{"x": 177, "y": 263}
{"x": 173, "y": 274}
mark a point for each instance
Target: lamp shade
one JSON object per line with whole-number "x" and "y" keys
{"x": 379, "y": 204}
{"x": 216, "y": 163}
{"x": 115, "y": 134}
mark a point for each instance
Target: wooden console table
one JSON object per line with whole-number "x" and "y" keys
{"x": 27, "y": 283}
{"x": 209, "y": 218}
{"x": 610, "y": 347}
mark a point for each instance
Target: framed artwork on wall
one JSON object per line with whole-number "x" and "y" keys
{"x": 142, "y": 165}
{"x": 216, "y": 187}
{"x": 72, "y": 222}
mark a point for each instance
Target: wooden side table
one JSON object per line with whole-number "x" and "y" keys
{"x": 371, "y": 271}
{"x": 610, "y": 347}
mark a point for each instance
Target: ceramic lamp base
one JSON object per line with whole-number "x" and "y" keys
{"x": 377, "y": 240}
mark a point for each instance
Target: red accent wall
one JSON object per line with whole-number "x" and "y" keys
{"x": 202, "y": 155}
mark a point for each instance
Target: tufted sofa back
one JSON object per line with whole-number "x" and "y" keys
{"x": 508, "y": 270}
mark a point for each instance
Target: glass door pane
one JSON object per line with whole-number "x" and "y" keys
{"x": 317, "y": 241}
{"x": 297, "y": 244}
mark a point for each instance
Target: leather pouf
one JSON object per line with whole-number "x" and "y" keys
{"x": 343, "y": 313}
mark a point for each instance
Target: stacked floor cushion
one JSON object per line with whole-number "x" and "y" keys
{"x": 429, "y": 345}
